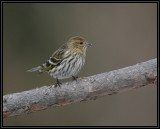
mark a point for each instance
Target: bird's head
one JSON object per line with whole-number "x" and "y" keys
{"x": 78, "y": 44}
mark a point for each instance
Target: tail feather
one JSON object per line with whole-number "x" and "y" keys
{"x": 39, "y": 68}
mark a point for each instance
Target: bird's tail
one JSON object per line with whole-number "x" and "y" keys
{"x": 39, "y": 68}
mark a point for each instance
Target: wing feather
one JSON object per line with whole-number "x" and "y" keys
{"x": 56, "y": 58}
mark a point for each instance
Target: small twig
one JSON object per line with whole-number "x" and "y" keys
{"x": 85, "y": 88}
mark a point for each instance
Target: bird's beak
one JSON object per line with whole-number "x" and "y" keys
{"x": 89, "y": 44}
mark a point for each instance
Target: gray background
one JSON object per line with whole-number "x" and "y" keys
{"x": 122, "y": 34}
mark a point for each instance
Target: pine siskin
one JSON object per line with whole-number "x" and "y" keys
{"x": 67, "y": 61}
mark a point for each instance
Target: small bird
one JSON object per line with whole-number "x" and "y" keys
{"x": 67, "y": 61}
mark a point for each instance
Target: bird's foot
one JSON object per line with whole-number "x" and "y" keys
{"x": 58, "y": 83}
{"x": 74, "y": 78}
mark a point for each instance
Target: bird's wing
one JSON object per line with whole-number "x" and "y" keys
{"x": 56, "y": 58}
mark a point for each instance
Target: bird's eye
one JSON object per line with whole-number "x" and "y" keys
{"x": 81, "y": 43}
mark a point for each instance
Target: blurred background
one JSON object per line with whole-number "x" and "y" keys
{"x": 122, "y": 34}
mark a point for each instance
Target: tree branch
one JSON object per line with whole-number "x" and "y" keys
{"x": 83, "y": 89}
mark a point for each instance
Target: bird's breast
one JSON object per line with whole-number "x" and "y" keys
{"x": 69, "y": 67}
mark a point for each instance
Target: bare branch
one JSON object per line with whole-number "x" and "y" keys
{"x": 85, "y": 88}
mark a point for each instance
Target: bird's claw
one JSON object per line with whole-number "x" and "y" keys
{"x": 58, "y": 83}
{"x": 74, "y": 78}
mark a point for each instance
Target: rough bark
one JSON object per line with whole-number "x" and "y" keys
{"x": 83, "y": 89}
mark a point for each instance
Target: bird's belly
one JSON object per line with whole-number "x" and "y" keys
{"x": 67, "y": 69}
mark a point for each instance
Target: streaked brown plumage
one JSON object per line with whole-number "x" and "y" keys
{"x": 67, "y": 61}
